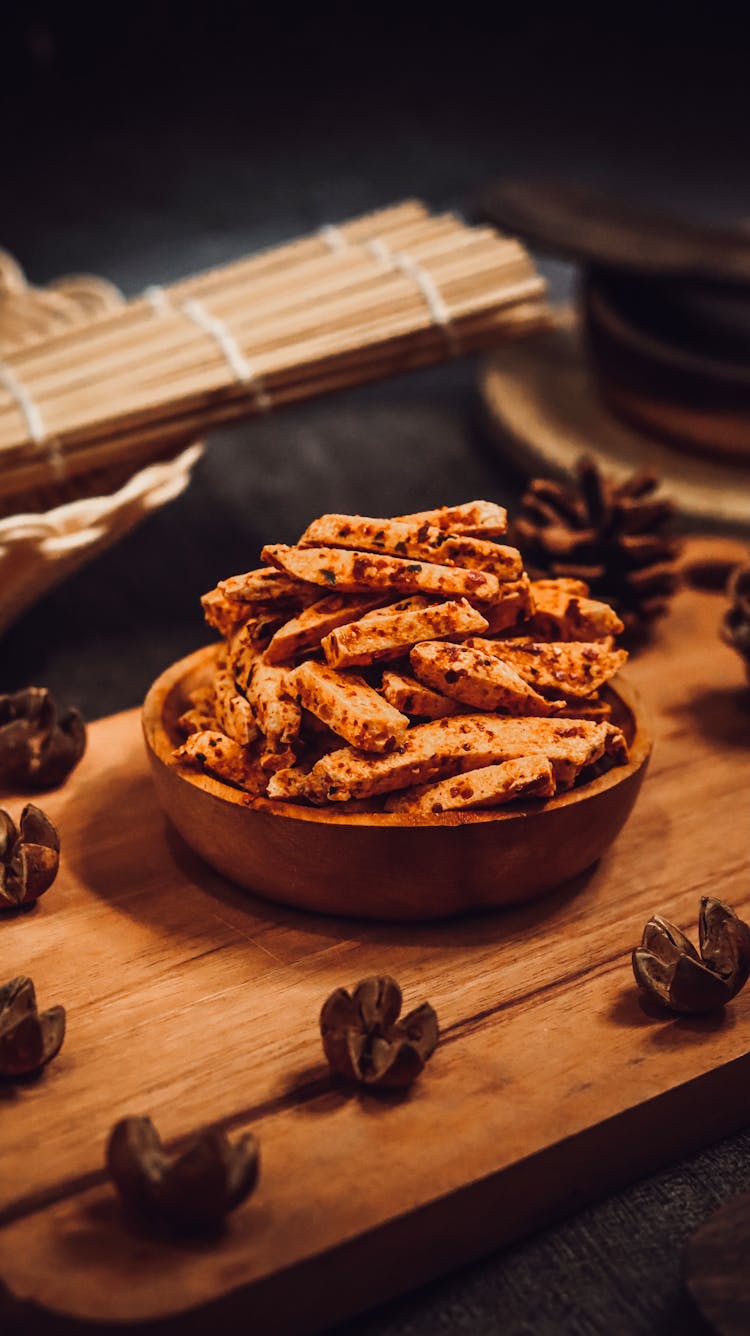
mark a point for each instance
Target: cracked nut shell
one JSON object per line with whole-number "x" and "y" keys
{"x": 29, "y": 857}
{"x": 364, "y": 1040}
{"x": 192, "y": 1190}
{"x": 29, "y": 1038}
{"x": 668, "y": 968}
{"x": 38, "y": 747}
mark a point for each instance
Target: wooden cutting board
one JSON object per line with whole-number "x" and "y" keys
{"x": 194, "y": 1002}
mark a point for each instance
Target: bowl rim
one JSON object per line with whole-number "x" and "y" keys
{"x": 161, "y": 746}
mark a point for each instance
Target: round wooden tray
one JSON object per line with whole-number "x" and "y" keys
{"x": 544, "y": 412}
{"x": 386, "y": 866}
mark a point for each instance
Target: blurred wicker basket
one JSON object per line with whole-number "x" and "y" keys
{"x": 45, "y": 534}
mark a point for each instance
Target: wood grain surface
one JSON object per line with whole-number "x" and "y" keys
{"x": 194, "y": 1002}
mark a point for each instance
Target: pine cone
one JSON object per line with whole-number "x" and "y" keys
{"x": 29, "y": 857}
{"x": 38, "y": 745}
{"x": 613, "y": 535}
{"x": 736, "y": 625}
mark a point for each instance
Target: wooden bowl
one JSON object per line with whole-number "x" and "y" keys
{"x": 386, "y": 865}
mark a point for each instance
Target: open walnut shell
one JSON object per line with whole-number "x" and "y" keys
{"x": 38, "y": 748}
{"x": 29, "y": 857}
{"x": 29, "y": 1039}
{"x": 365, "y": 1041}
{"x": 192, "y": 1190}
{"x": 668, "y": 968}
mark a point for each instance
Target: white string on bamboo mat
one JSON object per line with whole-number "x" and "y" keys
{"x": 333, "y": 238}
{"x": 157, "y": 299}
{"x": 220, "y": 332}
{"x": 33, "y": 420}
{"x": 429, "y": 289}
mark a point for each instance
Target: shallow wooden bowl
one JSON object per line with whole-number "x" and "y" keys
{"x": 386, "y": 866}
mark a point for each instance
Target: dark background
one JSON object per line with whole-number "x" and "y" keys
{"x": 144, "y": 142}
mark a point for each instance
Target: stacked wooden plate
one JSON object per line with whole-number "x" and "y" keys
{"x": 657, "y": 358}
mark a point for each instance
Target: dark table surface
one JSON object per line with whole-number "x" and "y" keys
{"x": 145, "y": 157}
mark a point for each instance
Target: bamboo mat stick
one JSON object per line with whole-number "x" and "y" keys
{"x": 379, "y": 295}
{"x": 308, "y": 249}
{"x": 326, "y": 301}
{"x": 358, "y": 269}
{"x": 100, "y": 454}
{"x": 210, "y": 376}
{"x": 385, "y": 292}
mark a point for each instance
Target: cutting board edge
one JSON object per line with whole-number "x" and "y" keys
{"x": 657, "y": 1126}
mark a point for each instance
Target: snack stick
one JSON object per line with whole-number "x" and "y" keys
{"x": 482, "y": 555}
{"x": 560, "y": 615}
{"x": 477, "y": 679}
{"x": 513, "y": 606}
{"x": 305, "y": 631}
{"x": 356, "y": 572}
{"x": 248, "y": 644}
{"x": 224, "y": 757}
{"x": 592, "y": 707}
{"x": 233, "y": 711}
{"x": 243, "y": 656}
{"x": 272, "y": 697}
{"x": 264, "y": 586}
{"x": 491, "y": 786}
{"x": 349, "y": 707}
{"x": 197, "y": 721}
{"x": 565, "y": 583}
{"x": 273, "y": 759}
{"x": 423, "y": 541}
{"x": 202, "y": 699}
{"x": 413, "y": 604}
{"x": 201, "y": 713}
{"x": 482, "y": 518}
{"x": 222, "y": 614}
{"x": 260, "y": 630}
{"x": 573, "y": 668}
{"x": 289, "y": 784}
{"x": 390, "y": 634}
{"x": 412, "y": 698}
{"x": 451, "y": 746}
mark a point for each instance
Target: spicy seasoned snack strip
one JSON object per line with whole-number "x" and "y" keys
{"x": 484, "y": 655}
{"x": 306, "y": 630}
{"x": 492, "y": 786}
{"x": 349, "y": 707}
{"x": 243, "y": 655}
{"x": 514, "y": 605}
{"x": 587, "y": 707}
{"x": 423, "y": 541}
{"x": 571, "y": 668}
{"x": 356, "y": 572}
{"x": 201, "y": 714}
{"x": 484, "y": 519}
{"x": 233, "y": 712}
{"x": 274, "y": 705}
{"x": 413, "y": 698}
{"x": 477, "y": 679}
{"x": 263, "y": 586}
{"x": 224, "y": 614}
{"x": 561, "y": 615}
{"x": 393, "y": 633}
{"x": 451, "y": 746}
{"x": 224, "y": 757}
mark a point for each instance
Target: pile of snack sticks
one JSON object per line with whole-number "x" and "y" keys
{"x": 407, "y": 665}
